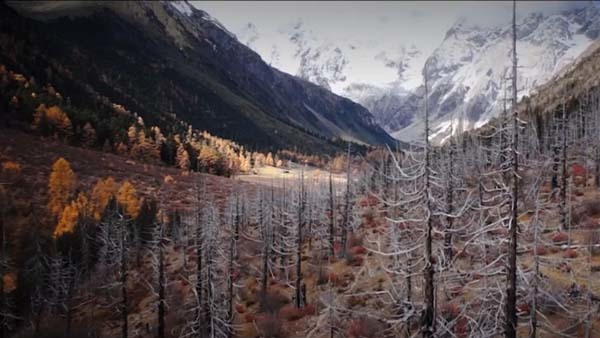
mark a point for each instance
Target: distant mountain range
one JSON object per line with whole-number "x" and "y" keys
{"x": 164, "y": 58}
{"x": 467, "y": 71}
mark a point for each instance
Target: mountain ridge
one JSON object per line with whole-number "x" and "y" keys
{"x": 205, "y": 75}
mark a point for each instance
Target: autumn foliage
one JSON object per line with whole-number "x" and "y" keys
{"x": 101, "y": 195}
{"x": 61, "y": 186}
{"x": 127, "y": 197}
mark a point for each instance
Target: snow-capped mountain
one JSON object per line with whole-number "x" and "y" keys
{"x": 468, "y": 73}
{"x": 335, "y": 63}
{"x": 467, "y": 70}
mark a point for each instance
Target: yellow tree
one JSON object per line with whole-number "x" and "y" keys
{"x": 127, "y": 197}
{"x": 101, "y": 194}
{"x": 183, "y": 158}
{"x": 78, "y": 208}
{"x": 68, "y": 220}
{"x": 61, "y": 185}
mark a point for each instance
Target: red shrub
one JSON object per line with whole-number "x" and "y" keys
{"x": 354, "y": 260}
{"x": 461, "y": 327}
{"x": 540, "y": 250}
{"x": 337, "y": 247}
{"x": 249, "y": 317}
{"x": 523, "y": 309}
{"x": 333, "y": 278}
{"x": 560, "y": 237}
{"x": 358, "y": 250}
{"x": 309, "y": 310}
{"x": 365, "y": 328}
{"x": 269, "y": 326}
{"x": 578, "y": 170}
{"x": 290, "y": 313}
{"x": 450, "y": 311}
{"x": 240, "y": 308}
{"x": 355, "y": 240}
{"x": 570, "y": 253}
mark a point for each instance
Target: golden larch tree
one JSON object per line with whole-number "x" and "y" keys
{"x": 101, "y": 195}
{"x": 61, "y": 185}
{"x": 127, "y": 197}
{"x": 68, "y": 220}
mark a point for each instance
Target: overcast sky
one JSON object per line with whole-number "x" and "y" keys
{"x": 380, "y": 25}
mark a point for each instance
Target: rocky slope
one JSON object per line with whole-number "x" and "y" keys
{"x": 467, "y": 72}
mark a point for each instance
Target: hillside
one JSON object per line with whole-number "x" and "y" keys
{"x": 190, "y": 66}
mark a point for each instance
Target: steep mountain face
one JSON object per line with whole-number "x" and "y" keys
{"x": 468, "y": 72}
{"x": 335, "y": 62}
{"x": 162, "y": 58}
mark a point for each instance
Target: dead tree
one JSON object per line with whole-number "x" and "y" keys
{"x": 427, "y": 321}
{"x": 331, "y": 217}
{"x": 511, "y": 287}
{"x": 347, "y": 209}
{"x": 300, "y": 224}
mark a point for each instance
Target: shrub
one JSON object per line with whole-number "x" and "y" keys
{"x": 540, "y": 250}
{"x": 309, "y": 310}
{"x": 290, "y": 313}
{"x": 560, "y": 237}
{"x": 354, "y": 240}
{"x": 589, "y": 207}
{"x": 450, "y": 311}
{"x": 272, "y": 302}
{"x": 269, "y": 326}
{"x": 249, "y": 317}
{"x": 570, "y": 253}
{"x": 523, "y": 308}
{"x": 239, "y": 308}
{"x": 365, "y": 328}
{"x": 356, "y": 301}
{"x": 353, "y": 259}
{"x": 358, "y": 250}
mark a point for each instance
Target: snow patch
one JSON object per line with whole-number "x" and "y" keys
{"x": 183, "y": 7}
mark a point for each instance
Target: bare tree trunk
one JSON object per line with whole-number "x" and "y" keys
{"x": 232, "y": 254}
{"x": 346, "y": 219}
{"x": 266, "y": 247}
{"x": 299, "y": 244}
{"x": 563, "y": 165}
{"x": 200, "y": 327}
{"x": 427, "y": 324}
{"x": 511, "y": 292}
{"x": 450, "y": 207}
{"x": 331, "y": 218}
{"x": 161, "y": 286}
{"x": 124, "y": 311}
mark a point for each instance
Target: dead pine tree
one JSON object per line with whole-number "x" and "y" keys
{"x": 161, "y": 280}
{"x": 427, "y": 321}
{"x": 347, "y": 209}
{"x": 199, "y": 326}
{"x": 231, "y": 265}
{"x": 563, "y": 175}
{"x": 449, "y": 204}
{"x": 124, "y": 274}
{"x": 300, "y": 220}
{"x": 331, "y": 217}
{"x": 511, "y": 280}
